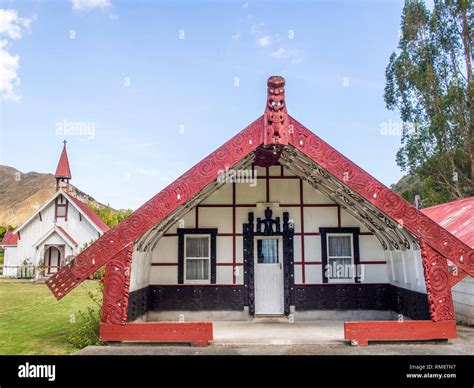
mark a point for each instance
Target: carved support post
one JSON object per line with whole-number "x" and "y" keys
{"x": 116, "y": 287}
{"x": 437, "y": 284}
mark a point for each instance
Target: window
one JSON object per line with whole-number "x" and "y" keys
{"x": 61, "y": 207}
{"x": 340, "y": 256}
{"x": 267, "y": 251}
{"x": 197, "y": 259}
{"x": 197, "y": 256}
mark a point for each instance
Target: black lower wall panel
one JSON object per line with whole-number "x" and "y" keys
{"x": 138, "y": 303}
{"x": 342, "y": 297}
{"x": 307, "y": 297}
{"x": 409, "y": 303}
{"x": 362, "y": 297}
{"x": 197, "y": 298}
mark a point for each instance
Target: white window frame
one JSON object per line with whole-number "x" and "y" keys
{"x": 353, "y": 269}
{"x": 196, "y": 281}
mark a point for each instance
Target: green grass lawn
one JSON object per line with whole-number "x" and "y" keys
{"x": 32, "y": 321}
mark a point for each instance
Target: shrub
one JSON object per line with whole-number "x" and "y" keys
{"x": 85, "y": 331}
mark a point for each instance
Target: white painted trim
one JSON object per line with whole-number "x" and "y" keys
{"x": 339, "y": 280}
{"x": 185, "y": 258}
{"x": 56, "y": 230}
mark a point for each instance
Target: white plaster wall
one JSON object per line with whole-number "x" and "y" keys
{"x": 141, "y": 270}
{"x": 282, "y": 192}
{"x": 313, "y": 273}
{"x": 405, "y": 269}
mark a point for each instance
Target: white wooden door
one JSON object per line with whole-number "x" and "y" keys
{"x": 53, "y": 260}
{"x": 268, "y": 267}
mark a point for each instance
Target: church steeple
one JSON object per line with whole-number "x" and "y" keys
{"x": 63, "y": 172}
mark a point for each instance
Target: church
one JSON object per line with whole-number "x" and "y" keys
{"x": 274, "y": 223}
{"x": 56, "y": 232}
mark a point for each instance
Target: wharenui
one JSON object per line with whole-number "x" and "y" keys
{"x": 297, "y": 230}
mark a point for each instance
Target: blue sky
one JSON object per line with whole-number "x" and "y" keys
{"x": 153, "y": 104}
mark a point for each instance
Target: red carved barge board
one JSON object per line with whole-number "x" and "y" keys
{"x": 362, "y": 332}
{"x": 195, "y": 333}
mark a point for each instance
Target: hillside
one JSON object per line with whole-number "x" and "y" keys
{"x": 21, "y": 194}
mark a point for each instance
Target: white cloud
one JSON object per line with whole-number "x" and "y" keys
{"x": 236, "y": 37}
{"x": 9, "y": 65}
{"x": 264, "y": 41}
{"x": 281, "y": 53}
{"x": 292, "y": 55}
{"x": 11, "y": 26}
{"x": 85, "y": 5}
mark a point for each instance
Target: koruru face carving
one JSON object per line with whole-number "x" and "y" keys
{"x": 276, "y": 116}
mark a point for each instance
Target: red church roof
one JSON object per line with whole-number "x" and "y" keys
{"x": 90, "y": 213}
{"x": 10, "y": 239}
{"x": 63, "y": 170}
{"x": 457, "y": 217}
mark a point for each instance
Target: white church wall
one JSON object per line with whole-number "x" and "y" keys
{"x": 10, "y": 261}
{"x": 80, "y": 230}
{"x": 34, "y": 231}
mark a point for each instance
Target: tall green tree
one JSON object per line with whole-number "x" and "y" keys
{"x": 429, "y": 80}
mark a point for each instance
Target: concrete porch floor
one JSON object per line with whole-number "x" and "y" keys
{"x": 276, "y": 331}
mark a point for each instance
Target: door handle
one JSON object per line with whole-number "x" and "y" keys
{"x": 280, "y": 265}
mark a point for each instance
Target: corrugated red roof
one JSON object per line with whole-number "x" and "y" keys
{"x": 90, "y": 213}
{"x": 9, "y": 238}
{"x": 457, "y": 217}
{"x": 63, "y": 170}
{"x": 68, "y": 236}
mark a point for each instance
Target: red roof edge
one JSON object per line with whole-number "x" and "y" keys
{"x": 68, "y": 236}
{"x": 90, "y": 213}
{"x": 63, "y": 170}
{"x": 10, "y": 239}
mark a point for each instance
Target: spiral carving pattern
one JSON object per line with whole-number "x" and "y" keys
{"x": 117, "y": 283}
{"x": 437, "y": 284}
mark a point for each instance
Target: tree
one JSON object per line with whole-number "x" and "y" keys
{"x": 4, "y": 229}
{"x": 110, "y": 216}
{"x": 430, "y": 81}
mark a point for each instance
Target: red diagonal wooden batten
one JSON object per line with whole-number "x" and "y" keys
{"x": 156, "y": 209}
